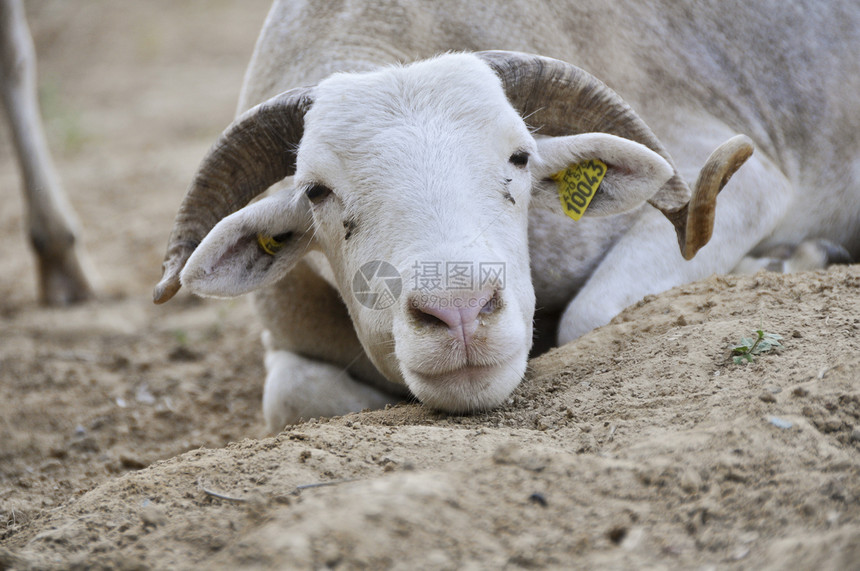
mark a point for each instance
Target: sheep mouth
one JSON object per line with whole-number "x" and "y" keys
{"x": 474, "y": 376}
{"x": 468, "y": 389}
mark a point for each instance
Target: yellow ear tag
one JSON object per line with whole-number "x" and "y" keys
{"x": 577, "y": 185}
{"x": 268, "y": 244}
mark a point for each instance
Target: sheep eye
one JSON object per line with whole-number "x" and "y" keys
{"x": 316, "y": 193}
{"x": 519, "y": 159}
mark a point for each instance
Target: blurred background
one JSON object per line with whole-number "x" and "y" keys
{"x": 132, "y": 94}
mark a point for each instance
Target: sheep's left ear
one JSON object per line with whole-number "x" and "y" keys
{"x": 610, "y": 173}
{"x": 252, "y": 248}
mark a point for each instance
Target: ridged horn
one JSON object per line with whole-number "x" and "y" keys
{"x": 560, "y": 99}
{"x": 257, "y": 150}
{"x": 718, "y": 169}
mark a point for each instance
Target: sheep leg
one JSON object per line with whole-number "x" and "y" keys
{"x": 314, "y": 361}
{"x": 50, "y": 218}
{"x": 300, "y": 388}
{"x": 646, "y": 261}
{"x": 809, "y": 255}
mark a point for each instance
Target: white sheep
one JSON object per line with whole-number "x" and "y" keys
{"x": 423, "y": 224}
{"x": 51, "y": 222}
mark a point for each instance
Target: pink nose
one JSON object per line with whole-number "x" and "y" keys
{"x": 461, "y": 314}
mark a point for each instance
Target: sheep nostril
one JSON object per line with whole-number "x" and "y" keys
{"x": 492, "y": 305}
{"x": 432, "y": 316}
{"x": 427, "y": 319}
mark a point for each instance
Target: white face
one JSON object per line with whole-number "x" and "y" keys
{"x": 431, "y": 188}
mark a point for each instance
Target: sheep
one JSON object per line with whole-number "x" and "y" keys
{"x": 63, "y": 274}
{"x": 419, "y": 233}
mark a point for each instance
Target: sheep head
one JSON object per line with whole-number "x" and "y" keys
{"x": 414, "y": 182}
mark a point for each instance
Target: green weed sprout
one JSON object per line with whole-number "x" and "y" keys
{"x": 746, "y": 350}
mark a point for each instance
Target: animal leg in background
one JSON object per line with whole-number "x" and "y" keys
{"x": 50, "y": 218}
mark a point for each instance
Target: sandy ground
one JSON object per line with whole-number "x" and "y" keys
{"x": 131, "y": 435}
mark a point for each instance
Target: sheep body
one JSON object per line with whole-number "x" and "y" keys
{"x": 696, "y": 73}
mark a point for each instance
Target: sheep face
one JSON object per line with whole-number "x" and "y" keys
{"x": 414, "y": 184}
{"x": 419, "y": 184}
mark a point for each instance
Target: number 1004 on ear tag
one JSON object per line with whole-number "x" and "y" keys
{"x": 577, "y": 185}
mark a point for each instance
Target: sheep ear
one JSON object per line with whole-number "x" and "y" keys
{"x": 252, "y": 248}
{"x": 609, "y": 173}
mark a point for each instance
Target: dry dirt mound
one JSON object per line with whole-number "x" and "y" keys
{"x": 640, "y": 445}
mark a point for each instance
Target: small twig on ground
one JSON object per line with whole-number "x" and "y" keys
{"x": 298, "y": 489}
{"x": 324, "y": 484}
{"x": 219, "y": 495}
{"x": 222, "y": 496}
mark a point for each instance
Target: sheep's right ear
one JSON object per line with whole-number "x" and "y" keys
{"x": 252, "y": 248}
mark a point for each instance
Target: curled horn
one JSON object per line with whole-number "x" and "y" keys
{"x": 562, "y": 99}
{"x": 257, "y": 150}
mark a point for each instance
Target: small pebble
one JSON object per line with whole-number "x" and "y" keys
{"x": 153, "y": 515}
{"x": 829, "y": 425}
{"x": 767, "y": 396}
{"x": 780, "y": 422}
{"x": 617, "y": 534}
{"x": 143, "y": 395}
{"x": 539, "y": 499}
{"x": 690, "y": 480}
{"x": 131, "y": 461}
{"x": 633, "y": 538}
